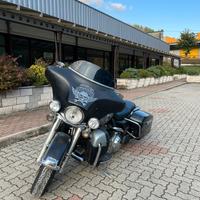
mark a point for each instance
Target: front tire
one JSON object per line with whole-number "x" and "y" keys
{"x": 43, "y": 178}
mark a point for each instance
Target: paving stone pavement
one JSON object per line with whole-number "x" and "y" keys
{"x": 163, "y": 165}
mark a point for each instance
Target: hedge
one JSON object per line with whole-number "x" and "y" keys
{"x": 158, "y": 71}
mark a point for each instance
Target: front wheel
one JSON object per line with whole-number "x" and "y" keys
{"x": 42, "y": 180}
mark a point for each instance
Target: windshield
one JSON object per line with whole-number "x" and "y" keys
{"x": 93, "y": 72}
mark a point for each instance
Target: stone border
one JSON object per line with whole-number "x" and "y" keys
{"x": 193, "y": 79}
{"x": 24, "y": 98}
{"x": 16, "y": 137}
{"x": 145, "y": 82}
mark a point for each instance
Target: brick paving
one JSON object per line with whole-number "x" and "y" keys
{"x": 22, "y": 121}
{"x": 163, "y": 165}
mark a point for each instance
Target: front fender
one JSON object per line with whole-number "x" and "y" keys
{"x": 56, "y": 151}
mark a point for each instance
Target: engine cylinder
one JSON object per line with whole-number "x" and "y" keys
{"x": 115, "y": 143}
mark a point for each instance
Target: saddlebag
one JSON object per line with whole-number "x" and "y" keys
{"x": 140, "y": 123}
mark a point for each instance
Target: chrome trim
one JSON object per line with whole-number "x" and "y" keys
{"x": 117, "y": 129}
{"x": 97, "y": 156}
{"x": 77, "y": 157}
{"x": 73, "y": 144}
{"x": 51, "y": 163}
{"x": 140, "y": 129}
{"x": 62, "y": 116}
{"x": 90, "y": 79}
{"x": 49, "y": 138}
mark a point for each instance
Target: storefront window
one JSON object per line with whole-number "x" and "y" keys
{"x": 107, "y": 61}
{"x": 20, "y": 49}
{"x": 42, "y": 49}
{"x": 2, "y": 44}
{"x": 68, "y": 54}
{"x": 123, "y": 62}
{"x": 96, "y": 57}
{"x": 81, "y": 53}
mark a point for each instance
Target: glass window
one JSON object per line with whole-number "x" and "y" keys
{"x": 81, "y": 53}
{"x": 42, "y": 49}
{"x": 68, "y": 54}
{"x": 123, "y": 62}
{"x": 2, "y": 44}
{"x": 20, "y": 49}
{"x": 2, "y": 40}
{"x": 96, "y": 57}
{"x": 107, "y": 61}
{"x": 2, "y": 50}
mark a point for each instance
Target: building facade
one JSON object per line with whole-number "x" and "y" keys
{"x": 69, "y": 30}
{"x": 192, "y": 58}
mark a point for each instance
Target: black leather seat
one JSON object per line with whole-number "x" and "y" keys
{"x": 129, "y": 107}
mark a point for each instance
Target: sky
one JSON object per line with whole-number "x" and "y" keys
{"x": 173, "y": 16}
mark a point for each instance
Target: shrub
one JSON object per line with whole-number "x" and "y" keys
{"x": 143, "y": 73}
{"x": 191, "y": 70}
{"x": 168, "y": 71}
{"x": 129, "y": 73}
{"x": 156, "y": 71}
{"x": 11, "y": 75}
{"x": 36, "y": 73}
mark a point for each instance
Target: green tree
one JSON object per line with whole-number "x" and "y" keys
{"x": 187, "y": 41}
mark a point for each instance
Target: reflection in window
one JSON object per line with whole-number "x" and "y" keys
{"x": 124, "y": 62}
{"x": 107, "y": 61}
{"x": 2, "y": 44}
{"x": 68, "y": 54}
{"x": 96, "y": 57}
{"x": 42, "y": 49}
{"x": 20, "y": 49}
{"x": 81, "y": 53}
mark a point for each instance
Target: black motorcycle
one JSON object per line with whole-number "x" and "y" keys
{"x": 92, "y": 120}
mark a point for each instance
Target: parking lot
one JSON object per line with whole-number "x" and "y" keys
{"x": 163, "y": 165}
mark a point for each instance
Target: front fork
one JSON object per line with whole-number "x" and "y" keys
{"x": 49, "y": 138}
{"x": 52, "y": 133}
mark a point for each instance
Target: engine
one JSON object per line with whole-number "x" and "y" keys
{"x": 115, "y": 143}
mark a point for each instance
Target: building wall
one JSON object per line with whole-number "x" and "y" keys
{"x": 29, "y": 43}
{"x": 80, "y": 14}
{"x": 194, "y": 53}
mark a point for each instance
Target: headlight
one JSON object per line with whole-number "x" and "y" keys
{"x": 54, "y": 106}
{"x": 93, "y": 123}
{"x": 74, "y": 115}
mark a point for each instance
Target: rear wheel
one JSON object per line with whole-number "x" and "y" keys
{"x": 43, "y": 178}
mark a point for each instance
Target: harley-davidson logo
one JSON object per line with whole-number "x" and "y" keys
{"x": 83, "y": 94}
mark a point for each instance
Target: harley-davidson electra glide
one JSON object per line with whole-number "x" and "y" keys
{"x": 91, "y": 120}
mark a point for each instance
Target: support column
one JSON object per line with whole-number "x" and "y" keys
{"x": 161, "y": 60}
{"x": 144, "y": 61}
{"x": 137, "y": 61}
{"x": 56, "y": 46}
{"x": 115, "y": 61}
{"x": 76, "y": 49}
{"x": 133, "y": 59}
{"x": 172, "y": 62}
{"x": 8, "y": 40}
{"x": 179, "y": 62}
{"x": 60, "y": 46}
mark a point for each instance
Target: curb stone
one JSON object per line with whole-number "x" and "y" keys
{"x": 16, "y": 137}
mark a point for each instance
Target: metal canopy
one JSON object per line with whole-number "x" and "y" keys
{"x": 79, "y": 14}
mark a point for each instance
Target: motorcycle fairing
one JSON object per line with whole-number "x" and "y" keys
{"x": 70, "y": 87}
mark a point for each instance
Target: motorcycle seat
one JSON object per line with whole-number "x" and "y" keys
{"x": 128, "y": 108}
